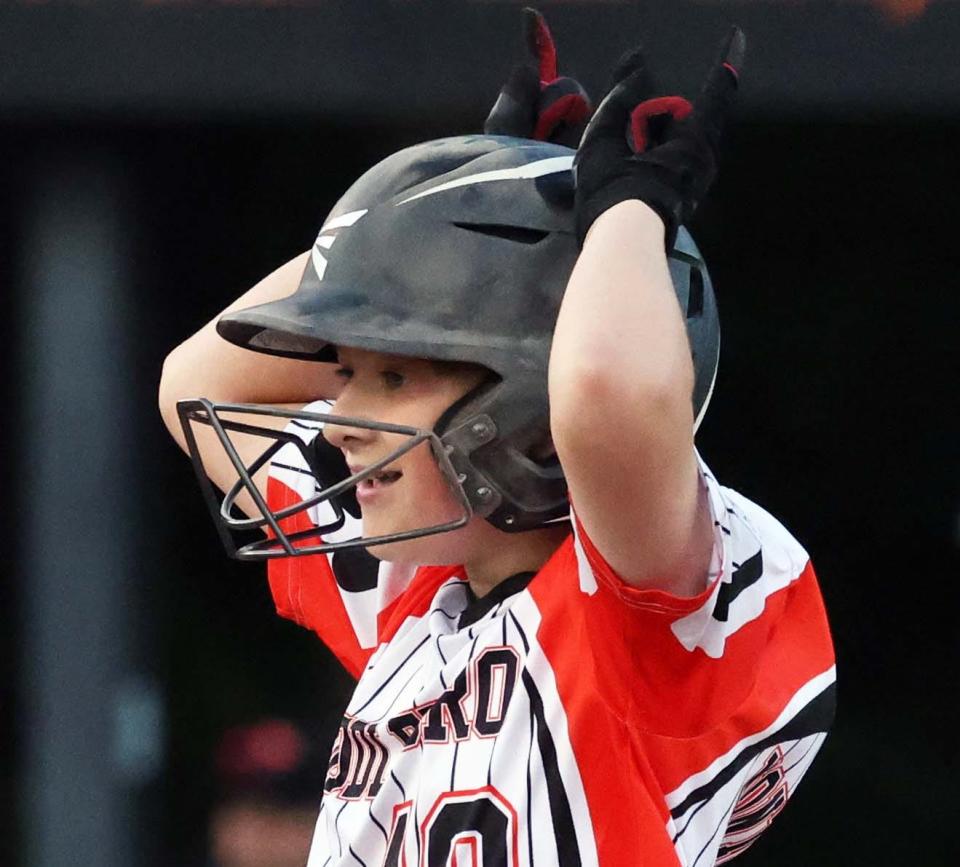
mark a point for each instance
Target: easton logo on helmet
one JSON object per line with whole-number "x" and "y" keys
{"x": 325, "y": 239}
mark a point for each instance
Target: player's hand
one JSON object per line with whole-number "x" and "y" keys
{"x": 661, "y": 150}
{"x": 535, "y": 102}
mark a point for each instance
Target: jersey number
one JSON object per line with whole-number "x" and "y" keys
{"x": 470, "y": 828}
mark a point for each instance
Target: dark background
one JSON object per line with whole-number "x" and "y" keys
{"x": 208, "y": 141}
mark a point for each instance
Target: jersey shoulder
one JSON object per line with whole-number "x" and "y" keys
{"x": 755, "y": 558}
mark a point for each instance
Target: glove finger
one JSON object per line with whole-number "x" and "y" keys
{"x": 515, "y": 111}
{"x": 633, "y": 62}
{"x": 540, "y": 44}
{"x": 562, "y": 112}
{"x": 612, "y": 117}
{"x": 722, "y": 82}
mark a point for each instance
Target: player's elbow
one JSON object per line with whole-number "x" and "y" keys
{"x": 174, "y": 386}
{"x": 590, "y": 404}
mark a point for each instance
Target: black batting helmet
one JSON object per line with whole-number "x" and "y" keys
{"x": 460, "y": 250}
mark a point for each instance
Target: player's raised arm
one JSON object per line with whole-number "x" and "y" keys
{"x": 206, "y": 365}
{"x": 621, "y": 375}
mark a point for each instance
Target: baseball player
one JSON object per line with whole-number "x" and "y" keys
{"x": 462, "y": 428}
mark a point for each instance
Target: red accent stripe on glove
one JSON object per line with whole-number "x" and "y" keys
{"x": 675, "y": 106}
{"x": 571, "y": 109}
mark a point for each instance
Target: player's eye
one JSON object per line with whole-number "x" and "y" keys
{"x": 343, "y": 373}
{"x": 392, "y": 379}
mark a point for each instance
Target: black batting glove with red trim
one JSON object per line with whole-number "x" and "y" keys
{"x": 535, "y": 102}
{"x": 662, "y": 150}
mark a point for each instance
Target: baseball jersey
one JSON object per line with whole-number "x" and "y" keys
{"x": 566, "y": 718}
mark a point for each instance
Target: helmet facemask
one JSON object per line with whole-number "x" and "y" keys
{"x": 316, "y": 523}
{"x": 514, "y": 485}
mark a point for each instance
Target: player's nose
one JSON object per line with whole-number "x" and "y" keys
{"x": 348, "y": 433}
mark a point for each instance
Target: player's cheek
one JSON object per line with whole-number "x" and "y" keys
{"x": 417, "y": 501}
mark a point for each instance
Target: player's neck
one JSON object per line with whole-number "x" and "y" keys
{"x": 510, "y": 554}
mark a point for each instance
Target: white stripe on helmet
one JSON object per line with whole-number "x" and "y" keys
{"x": 538, "y": 169}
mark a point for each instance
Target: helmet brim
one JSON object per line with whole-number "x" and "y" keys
{"x": 309, "y": 325}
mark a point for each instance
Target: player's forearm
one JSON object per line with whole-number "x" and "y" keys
{"x": 206, "y": 365}
{"x": 620, "y": 342}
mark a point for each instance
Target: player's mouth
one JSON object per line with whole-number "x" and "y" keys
{"x": 376, "y": 483}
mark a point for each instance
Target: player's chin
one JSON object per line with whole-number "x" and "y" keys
{"x": 376, "y": 525}
{"x": 436, "y": 548}
{"x": 392, "y": 552}
{"x": 423, "y": 550}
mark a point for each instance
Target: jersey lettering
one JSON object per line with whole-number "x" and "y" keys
{"x": 339, "y": 766}
{"x": 492, "y": 681}
{"x": 496, "y": 675}
{"x": 358, "y": 761}
{"x": 406, "y": 728}
{"x": 447, "y": 714}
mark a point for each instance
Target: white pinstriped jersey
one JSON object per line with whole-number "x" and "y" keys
{"x": 566, "y": 718}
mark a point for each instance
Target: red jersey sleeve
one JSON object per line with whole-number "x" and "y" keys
{"x": 727, "y": 695}
{"x": 691, "y": 661}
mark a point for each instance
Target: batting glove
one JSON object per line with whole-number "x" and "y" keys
{"x": 661, "y": 150}
{"x": 535, "y": 102}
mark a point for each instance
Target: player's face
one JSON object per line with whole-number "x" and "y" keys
{"x": 411, "y": 493}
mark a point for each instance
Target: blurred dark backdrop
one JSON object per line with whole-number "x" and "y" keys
{"x": 830, "y": 238}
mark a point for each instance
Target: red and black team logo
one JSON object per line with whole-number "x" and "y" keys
{"x": 761, "y": 799}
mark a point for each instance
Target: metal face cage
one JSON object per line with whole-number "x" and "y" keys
{"x": 334, "y": 487}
